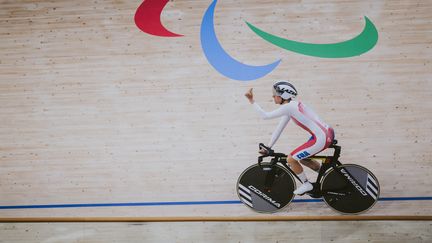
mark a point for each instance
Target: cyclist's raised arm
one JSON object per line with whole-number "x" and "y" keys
{"x": 283, "y": 110}
{"x": 276, "y": 134}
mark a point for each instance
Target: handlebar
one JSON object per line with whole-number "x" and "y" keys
{"x": 276, "y": 156}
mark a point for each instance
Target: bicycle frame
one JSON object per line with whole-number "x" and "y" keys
{"x": 336, "y": 183}
{"x": 327, "y": 162}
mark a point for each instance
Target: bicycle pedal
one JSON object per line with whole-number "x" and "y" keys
{"x": 305, "y": 193}
{"x": 315, "y": 192}
{"x": 314, "y": 195}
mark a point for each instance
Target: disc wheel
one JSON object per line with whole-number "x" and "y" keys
{"x": 265, "y": 188}
{"x": 352, "y": 189}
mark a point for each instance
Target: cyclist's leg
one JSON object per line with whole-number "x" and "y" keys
{"x": 307, "y": 162}
{"x": 312, "y": 164}
{"x": 294, "y": 158}
{"x": 311, "y": 147}
{"x": 295, "y": 165}
{"x": 298, "y": 170}
{"x": 299, "y": 153}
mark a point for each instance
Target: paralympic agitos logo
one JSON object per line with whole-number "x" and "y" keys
{"x": 147, "y": 18}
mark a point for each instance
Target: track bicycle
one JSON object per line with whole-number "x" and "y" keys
{"x": 267, "y": 187}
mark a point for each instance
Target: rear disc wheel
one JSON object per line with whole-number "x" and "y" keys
{"x": 358, "y": 183}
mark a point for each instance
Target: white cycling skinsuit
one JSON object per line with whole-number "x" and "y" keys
{"x": 306, "y": 118}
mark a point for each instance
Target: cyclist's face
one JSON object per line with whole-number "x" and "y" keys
{"x": 277, "y": 99}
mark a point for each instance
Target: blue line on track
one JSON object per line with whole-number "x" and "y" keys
{"x": 184, "y": 203}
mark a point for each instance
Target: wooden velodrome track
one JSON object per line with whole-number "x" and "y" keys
{"x": 100, "y": 121}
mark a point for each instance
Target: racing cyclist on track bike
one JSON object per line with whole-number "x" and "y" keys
{"x": 322, "y": 135}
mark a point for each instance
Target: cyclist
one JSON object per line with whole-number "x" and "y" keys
{"x": 321, "y": 138}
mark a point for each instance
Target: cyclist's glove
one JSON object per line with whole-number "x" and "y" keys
{"x": 264, "y": 150}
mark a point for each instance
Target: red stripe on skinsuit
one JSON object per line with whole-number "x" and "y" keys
{"x": 329, "y": 139}
{"x": 329, "y": 133}
{"x": 301, "y": 109}
{"x": 306, "y": 145}
{"x": 326, "y": 131}
{"x": 302, "y": 126}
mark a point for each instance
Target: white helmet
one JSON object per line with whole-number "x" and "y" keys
{"x": 285, "y": 90}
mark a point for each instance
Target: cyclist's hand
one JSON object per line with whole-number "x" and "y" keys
{"x": 264, "y": 151}
{"x": 249, "y": 95}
